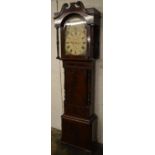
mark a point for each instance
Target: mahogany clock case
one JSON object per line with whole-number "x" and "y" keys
{"x": 79, "y": 122}
{"x": 79, "y": 88}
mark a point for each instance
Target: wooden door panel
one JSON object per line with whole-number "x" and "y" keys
{"x": 76, "y": 86}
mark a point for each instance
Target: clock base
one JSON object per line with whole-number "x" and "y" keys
{"x": 79, "y": 132}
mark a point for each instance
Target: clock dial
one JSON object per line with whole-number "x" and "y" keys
{"x": 75, "y": 37}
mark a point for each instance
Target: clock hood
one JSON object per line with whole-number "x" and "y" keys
{"x": 91, "y": 15}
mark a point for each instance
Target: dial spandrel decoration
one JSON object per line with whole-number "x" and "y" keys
{"x": 75, "y": 36}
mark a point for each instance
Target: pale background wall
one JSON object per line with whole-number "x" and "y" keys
{"x": 58, "y": 79}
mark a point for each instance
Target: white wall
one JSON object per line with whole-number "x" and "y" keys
{"x": 56, "y": 86}
{"x": 57, "y": 104}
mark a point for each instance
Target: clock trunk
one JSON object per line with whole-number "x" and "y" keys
{"x": 79, "y": 120}
{"x": 79, "y": 88}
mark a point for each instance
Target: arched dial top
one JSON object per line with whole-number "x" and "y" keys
{"x": 75, "y": 36}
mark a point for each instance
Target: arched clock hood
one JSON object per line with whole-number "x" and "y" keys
{"x": 91, "y": 15}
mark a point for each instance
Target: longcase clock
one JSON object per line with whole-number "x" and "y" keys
{"x": 78, "y": 48}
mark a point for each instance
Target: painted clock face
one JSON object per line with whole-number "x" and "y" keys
{"x": 75, "y": 37}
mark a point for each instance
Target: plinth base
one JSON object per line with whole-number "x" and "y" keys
{"x": 79, "y": 132}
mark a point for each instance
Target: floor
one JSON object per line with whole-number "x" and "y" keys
{"x": 60, "y": 149}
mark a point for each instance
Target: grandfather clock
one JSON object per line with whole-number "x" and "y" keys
{"x": 78, "y": 48}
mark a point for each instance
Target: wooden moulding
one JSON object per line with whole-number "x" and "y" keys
{"x": 80, "y": 133}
